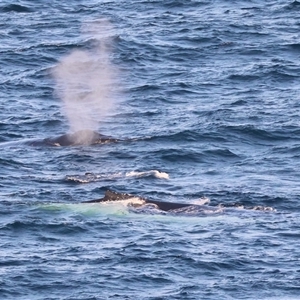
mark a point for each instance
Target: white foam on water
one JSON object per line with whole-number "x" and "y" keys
{"x": 129, "y": 202}
{"x": 154, "y": 173}
{"x": 118, "y": 207}
{"x": 201, "y": 201}
{"x": 92, "y": 177}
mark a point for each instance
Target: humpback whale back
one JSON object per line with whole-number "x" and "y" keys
{"x": 174, "y": 207}
{"x": 162, "y": 205}
{"x": 111, "y": 196}
{"x": 82, "y": 137}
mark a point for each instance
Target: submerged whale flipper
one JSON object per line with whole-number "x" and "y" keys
{"x": 82, "y": 137}
{"x": 162, "y": 205}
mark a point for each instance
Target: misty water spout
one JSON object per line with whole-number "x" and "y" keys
{"x": 84, "y": 79}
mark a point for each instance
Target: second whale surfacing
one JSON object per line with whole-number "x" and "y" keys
{"x": 141, "y": 204}
{"x": 164, "y": 206}
{"x": 81, "y": 137}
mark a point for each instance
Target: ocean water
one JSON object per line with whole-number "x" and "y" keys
{"x": 203, "y": 98}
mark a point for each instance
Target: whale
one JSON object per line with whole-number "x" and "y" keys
{"x": 81, "y": 137}
{"x": 137, "y": 202}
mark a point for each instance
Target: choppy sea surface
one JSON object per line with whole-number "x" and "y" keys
{"x": 203, "y": 98}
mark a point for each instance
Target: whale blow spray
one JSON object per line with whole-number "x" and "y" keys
{"x": 85, "y": 79}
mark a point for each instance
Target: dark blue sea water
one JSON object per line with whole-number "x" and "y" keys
{"x": 203, "y": 97}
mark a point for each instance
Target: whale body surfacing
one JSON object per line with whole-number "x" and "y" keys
{"x": 112, "y": 196}
{"x": 192, "y": 209}
{"x": 82, "y": 137}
